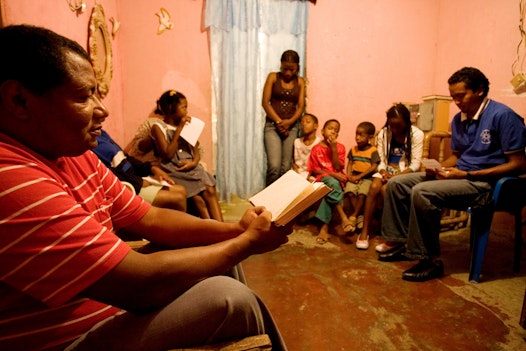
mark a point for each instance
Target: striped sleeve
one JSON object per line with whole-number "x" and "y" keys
{"x": 56, "y": 223}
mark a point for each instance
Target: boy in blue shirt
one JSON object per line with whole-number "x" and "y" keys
{"x": 488, "y": 142}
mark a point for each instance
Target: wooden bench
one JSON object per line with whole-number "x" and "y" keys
{"x": 251, "y": 343}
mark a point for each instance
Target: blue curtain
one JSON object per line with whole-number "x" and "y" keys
{"x": 247, "y": 38}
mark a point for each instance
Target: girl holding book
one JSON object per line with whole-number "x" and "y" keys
{"x": 179, "y": 158}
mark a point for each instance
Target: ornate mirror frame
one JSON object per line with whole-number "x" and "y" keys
{"x": 99, "y": 48}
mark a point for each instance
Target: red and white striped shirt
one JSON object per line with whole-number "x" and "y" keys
{"x": 56, "y": 239}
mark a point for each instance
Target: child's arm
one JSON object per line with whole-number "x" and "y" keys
{"x": 334, "y": 154}
{"x": 364, "y": 174}
{"x": 349, "y": 165}
{"x": 189, "y": 165}
{"x": 295, "y": 156}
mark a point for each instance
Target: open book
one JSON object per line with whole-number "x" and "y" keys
{"x": 289, "y": 196}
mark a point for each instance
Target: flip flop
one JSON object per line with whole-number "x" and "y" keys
{"x": 359, "y": 222}
{"x": 350, "y": 226}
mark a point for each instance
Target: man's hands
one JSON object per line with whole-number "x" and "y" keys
{"x": 446, "y": 173}
{"x": 261, "y": 233}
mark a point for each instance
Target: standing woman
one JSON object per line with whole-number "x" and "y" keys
{"x": 284, "y": 103}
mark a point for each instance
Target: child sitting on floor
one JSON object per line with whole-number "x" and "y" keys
{"x": 326, "y": 164}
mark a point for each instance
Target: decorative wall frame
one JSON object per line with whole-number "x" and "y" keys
{"x": 99, "y": 48}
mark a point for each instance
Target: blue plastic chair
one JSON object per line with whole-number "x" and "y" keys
{"x": 509, "y": 196}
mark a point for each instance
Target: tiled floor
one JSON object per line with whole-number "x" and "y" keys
{"x": 335, "y": 297}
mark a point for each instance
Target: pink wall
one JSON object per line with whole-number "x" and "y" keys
{"x": 486, "y": 38}
{"x": 362, "y": 55}
{"x": 176, "y": 59}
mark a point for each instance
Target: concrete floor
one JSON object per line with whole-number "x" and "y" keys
{"x": 335, "y": 297}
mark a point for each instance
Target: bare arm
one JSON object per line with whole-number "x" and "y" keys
{"x": 267, "y": 93}
{"x": 143, "y": 282}
{"x": 167, "y": 149}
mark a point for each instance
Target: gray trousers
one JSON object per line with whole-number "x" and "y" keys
{"x": 413, "y": 209}
{"x": 216, "y": 309}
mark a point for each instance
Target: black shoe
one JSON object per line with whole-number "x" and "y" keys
{"x": 395, "y": 254}
{"x": 424, "y": 270}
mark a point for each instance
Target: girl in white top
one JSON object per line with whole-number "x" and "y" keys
{"x": 400, "y": 146}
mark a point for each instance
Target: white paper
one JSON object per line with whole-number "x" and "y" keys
{"x": 431, "y": 163}
{"x": 192, "y": 130}
{"x": 154, "y": 181}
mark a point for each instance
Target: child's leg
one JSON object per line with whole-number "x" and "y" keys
{"x": 359, "y": 215}
{"x": 362, "y": 190}
{"x": 354, "y": 203}
{"x": 212, "y": 203}
{"x": 348, "y": 224}
{"x": 370, "y": 205}
{"x": 350, "y": 191}
{"x": 323, "y": 236}
{"x": 330, "y": 201}
{"x": 200, "y": 205}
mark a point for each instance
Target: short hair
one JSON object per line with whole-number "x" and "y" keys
{"x": 368, "y": 127}
{"x": 314, "y": 118}
{"x": 331, "y": 120}
{"x": 36, "y": 57}
{"x": 167, "y": 103}
{"x": 290, "y": 56}
{"x": 472, "y": 77}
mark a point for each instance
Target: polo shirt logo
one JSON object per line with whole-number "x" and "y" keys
{"x": 485, "y": 137}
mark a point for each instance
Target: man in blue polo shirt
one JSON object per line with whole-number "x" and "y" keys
{"x": 488, "y": 142}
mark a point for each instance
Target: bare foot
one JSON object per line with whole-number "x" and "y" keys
{"x": 323, "y": 236}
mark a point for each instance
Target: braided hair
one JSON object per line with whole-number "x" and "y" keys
{"x": 400, "y": 111}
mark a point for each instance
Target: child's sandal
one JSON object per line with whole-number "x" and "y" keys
{"x": 350, "y": 226}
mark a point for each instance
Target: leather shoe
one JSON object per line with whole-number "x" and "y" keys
{"x": 395, "y": 254}
{"x": 424, "y": 270}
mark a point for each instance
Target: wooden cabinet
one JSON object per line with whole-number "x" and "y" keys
{"x": 434, "y": 113}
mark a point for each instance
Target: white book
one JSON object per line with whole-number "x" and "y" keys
{"x": 289, "y": 196}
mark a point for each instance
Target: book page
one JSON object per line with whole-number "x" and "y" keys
{"x": 278, "y": 195}
{"x": 302, "y": 203}
{"x": 192, "y": 130}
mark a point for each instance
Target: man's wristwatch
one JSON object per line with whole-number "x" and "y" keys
{"x": 469, "y": 176}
